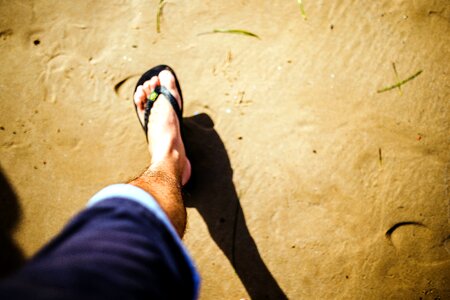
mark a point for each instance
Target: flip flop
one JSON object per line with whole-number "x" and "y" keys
{"x": 155, "y": 94}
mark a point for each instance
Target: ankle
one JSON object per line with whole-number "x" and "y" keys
{"x": 170, "y": 156}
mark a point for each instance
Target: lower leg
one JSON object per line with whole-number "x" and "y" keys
{"x": 160, "y": 182}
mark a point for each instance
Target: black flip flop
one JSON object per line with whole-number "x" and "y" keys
{"x": 154, "y": 96}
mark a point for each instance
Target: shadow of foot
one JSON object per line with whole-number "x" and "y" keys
{"x": 11, "y": 257}
{"x": 211, "y": 191}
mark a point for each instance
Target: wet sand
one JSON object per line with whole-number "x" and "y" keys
{"x": 307, "y": 183}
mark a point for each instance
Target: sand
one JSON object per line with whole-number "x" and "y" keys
{"x": 307, "y": 184}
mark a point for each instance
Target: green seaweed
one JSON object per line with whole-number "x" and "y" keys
{"x": 302, "y": 9}
{"x": 380, "y": 157}
{"x": 400, "y": 83}
{"x": 159, "y": 15}
{"x": 397, "y": 78}
{"x": 233, "y": 31}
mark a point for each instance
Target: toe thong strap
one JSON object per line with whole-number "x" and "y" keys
{"x": 172, "y": 100}
{"x": 153, "y": 97}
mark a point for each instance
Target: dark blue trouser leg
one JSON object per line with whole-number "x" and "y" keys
{"x": 116, "y": 249}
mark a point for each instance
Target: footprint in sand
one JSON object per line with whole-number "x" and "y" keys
{"x": 125, "y": 87}
{"x": 5, "y": 34}
{"x": 417, "y": 242}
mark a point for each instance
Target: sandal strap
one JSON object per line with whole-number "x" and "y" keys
{"x": 152, "y": 99}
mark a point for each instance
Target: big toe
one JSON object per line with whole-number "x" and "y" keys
{"x": 167, "y": 79}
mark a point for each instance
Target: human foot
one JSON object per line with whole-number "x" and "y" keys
{"x": 164, "y": 135}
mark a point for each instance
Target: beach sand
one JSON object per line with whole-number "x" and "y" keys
{"x": 307, "y": 183}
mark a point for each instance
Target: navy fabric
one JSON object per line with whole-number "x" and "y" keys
{"x": 116, "y": 249}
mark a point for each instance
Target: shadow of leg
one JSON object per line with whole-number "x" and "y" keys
{"x": 213, "y": 194}
{"x": 11, "y": 257}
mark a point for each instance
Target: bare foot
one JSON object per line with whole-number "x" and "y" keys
{"x": 164, "y": 135}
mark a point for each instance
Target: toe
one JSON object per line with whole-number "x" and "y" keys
{"x": 139, "y": 101}
{"x": 139, "y": 97}
{"x": 150, "y": 85}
